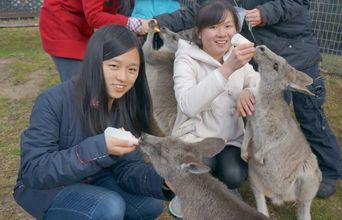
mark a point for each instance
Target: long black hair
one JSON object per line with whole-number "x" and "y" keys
{"x": 133, "y": 111}
{"x": 211, "y": 13}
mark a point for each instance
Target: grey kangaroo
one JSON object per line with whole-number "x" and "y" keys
{"x": 204, "y": 197}
{"x": 281, "y": 164}
{"x": 159, "y": 72}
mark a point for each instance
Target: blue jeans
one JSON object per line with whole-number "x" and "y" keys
{"x": 103, "y": 200}
{"x": 315, "y": 126}
{"x": 67, "y": 67}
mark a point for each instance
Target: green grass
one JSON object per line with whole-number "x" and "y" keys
{"x": 19, "y": 42}
{"x": 22, "y": 47}
{"x": 332, "y": 63}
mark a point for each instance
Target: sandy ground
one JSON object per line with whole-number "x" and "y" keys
{"x": 9, "y": 89}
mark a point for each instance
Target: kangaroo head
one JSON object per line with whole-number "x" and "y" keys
{"x": 171, "y": 156}
{"x": 274, "y": 70}
{"x": 169, "y": 38}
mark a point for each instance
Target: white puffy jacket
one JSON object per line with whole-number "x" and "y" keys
{"x": 206, "y": 100}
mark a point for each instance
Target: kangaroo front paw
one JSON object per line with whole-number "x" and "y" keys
{"x": 245, "y": 156}
{"x": 259, "y": 158}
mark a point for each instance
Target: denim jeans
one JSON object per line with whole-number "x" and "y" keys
{"x": 67, "y": 67}
{"x": 228, "y": 167}
{"x": 102, "y": 200}
{"x": 315, "y": 126}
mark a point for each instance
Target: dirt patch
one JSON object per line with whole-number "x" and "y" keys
{"x": 8, "y": 87}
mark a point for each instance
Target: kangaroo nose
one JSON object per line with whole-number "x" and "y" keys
{"x": 261, "y": 48}
{"x": 143, "y": 136}
{"x": 162, "y": 28}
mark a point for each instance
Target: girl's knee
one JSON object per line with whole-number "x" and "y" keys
{"x": 234, "y": 177}
{"x": 230, "y": 168}
{"x": 110, "y": 206}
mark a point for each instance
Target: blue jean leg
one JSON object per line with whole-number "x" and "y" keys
{"x": 137, "y": 207}
{"x": 86, "y": 202}
{"x": 315, "y": 126}
{"x": 67, "y": 68}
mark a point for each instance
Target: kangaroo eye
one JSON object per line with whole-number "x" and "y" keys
{"x": 275, "y": 66}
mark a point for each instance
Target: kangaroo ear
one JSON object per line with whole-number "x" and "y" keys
{"x": 195, "y": 168}
{"x": 299, "y": 81}
{"x": 296, "y": 88}
{"x": 209, "y": 147}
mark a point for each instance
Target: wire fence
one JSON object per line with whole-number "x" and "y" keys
{"x": 326, "y": 15}
{"x": 327, "y": 23}
{"x": 13, "y": 9}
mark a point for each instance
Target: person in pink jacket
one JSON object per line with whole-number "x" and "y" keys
{"x": 214, "y": 85}
{"x": 66, "y": 26}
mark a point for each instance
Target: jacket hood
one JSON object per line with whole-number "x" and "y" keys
{"x": 192, "y": 50}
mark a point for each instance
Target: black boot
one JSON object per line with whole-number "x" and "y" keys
{"x": 327, "y": 188}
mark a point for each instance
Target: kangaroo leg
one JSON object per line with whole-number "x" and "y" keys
{"x": 260, "y": 201}
{"x": 303, "y": 212}
{"x": 246, "y": 141}
{"x": 307, "y": 187}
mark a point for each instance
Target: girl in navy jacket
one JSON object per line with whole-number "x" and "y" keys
{"x": 69, "y": 169}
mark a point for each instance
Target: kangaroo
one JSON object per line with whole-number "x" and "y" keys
{"x": 281, "y": 164}
{"x": 159, "y": 72}
{"x": 203, "y": 196}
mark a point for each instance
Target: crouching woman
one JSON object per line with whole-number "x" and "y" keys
{"x": 69, "y": 168}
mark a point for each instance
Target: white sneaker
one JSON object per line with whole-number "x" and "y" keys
{"x": 175, "y": 208}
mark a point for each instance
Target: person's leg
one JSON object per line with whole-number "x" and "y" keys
{"x": 313, "y": 122}
{"x": 84, "y": 201}
{"x": 230, "y": 168}
{"x": 67, "y": 68}
{"x": 137, "y": 207}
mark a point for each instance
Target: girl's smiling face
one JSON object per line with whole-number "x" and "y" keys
{"x": 216, "y": 38}
{"x": 120, "y": 73}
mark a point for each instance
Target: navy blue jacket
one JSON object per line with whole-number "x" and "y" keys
{"x": 55, "y": 152}
{"x": 287, "y": 28}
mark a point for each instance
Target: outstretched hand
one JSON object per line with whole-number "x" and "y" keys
{"x": 119, "y": 147}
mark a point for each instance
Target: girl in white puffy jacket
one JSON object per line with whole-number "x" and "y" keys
{"x": 214, "y": 86}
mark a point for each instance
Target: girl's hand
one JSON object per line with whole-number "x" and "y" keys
{"x": 144, "y": 26}
{"x": 120, "y": 147}
{"x": 245, "y": 103}
{"x": 239, "y": 56}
